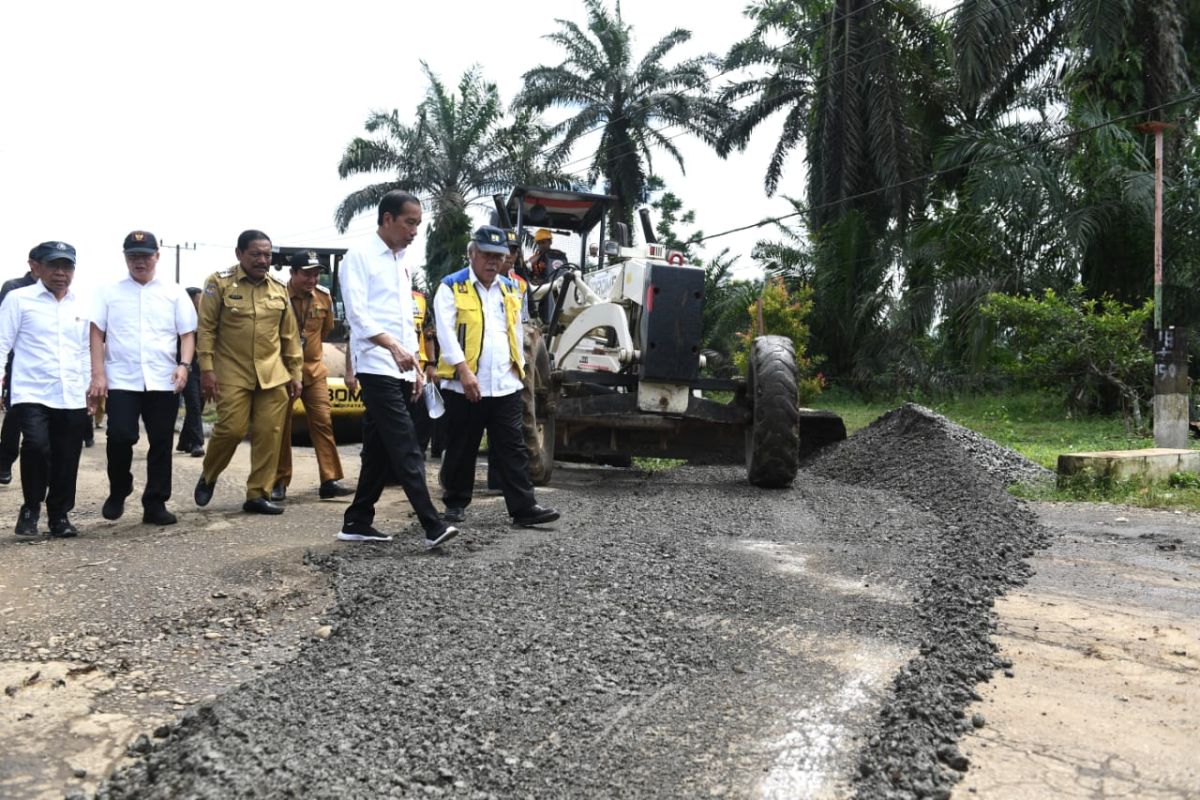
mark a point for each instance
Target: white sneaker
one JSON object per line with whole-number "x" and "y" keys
{"x": 362, "y": 533}
{"x": 448, "y": 533}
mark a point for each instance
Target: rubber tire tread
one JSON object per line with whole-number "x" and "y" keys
{"x": 773, "y": 441}
{"x": 537, "y": 362}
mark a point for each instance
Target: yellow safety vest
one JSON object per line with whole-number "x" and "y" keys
{"x": 419, "y": 311}
{"x": 469, "y": 320}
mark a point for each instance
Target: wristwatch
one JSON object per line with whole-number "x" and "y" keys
{"x": 185, "y": 364}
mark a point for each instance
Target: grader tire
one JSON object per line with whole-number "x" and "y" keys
{"x": 773, "y": 438}
{"x": 537, "y": 421}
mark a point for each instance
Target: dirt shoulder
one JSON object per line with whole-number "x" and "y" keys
{"x": 1103, "y": 698}
{"x": 107, "y": 636}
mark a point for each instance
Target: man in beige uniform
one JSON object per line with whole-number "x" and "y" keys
{"x": 250, "y": 362}
{"x": 313, "y": 306}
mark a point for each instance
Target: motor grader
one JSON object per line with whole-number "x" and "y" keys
{"x": 614, "y": 367}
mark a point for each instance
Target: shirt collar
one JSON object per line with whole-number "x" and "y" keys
{"x": 383, "y": 249}
{"x": 70, "y": 295}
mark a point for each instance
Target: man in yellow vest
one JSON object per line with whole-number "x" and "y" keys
{"x": 482, "y": 366}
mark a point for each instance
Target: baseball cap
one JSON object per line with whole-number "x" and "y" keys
{"x": 511, "y": 235}
{"x": 141, "y": 242}
{"x": 36, "y": 253}
{"x": 53, "y": 251}
{"x": 306, "y": 259}
{"x": 542, "y": 235}
{"x": 491, "y": 239}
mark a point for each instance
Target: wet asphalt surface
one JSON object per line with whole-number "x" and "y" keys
{"x": 675, "y": 635}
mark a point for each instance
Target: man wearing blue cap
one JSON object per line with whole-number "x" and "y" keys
{"x": 482, "y": 367}
{"x": 10, "y": 432}
{"x": 45, "y": 327}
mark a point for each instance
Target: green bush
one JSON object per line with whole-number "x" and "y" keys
{"x": 1093, "y": 350}
{"x": 784, "y": 313}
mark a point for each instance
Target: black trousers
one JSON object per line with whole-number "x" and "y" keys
{"x": 10, "y": 430}
{"x": 390, "y": 448}
{"x": 191, "y": 435}
{"x": 422, "y": 424}
{"x": 157, "y": 410}
{"x": 53, "y": 439}
{"x": 465, "y": 424}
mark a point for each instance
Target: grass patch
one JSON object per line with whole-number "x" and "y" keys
{"x": 653, "y": 465}
{"x": 1037, "y": 425}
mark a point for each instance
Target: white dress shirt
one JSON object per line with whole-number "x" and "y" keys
{"x": 495, "y": 369}
{"x": 377, "y": 293}
{"x": 49, "y": 342}
{"x": 142, "y": 324}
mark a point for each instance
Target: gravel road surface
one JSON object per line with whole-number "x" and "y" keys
{"x": 680, "y": 634}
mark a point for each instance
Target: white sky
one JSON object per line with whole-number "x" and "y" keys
{"x": 198, "y": 121}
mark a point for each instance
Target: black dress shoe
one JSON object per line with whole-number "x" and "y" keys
{"x": 113, "y": 507}
{"x": 535, "y": 515}
{"x": 261, "y": 505}
{"x": 278, "y": 493}
{"x": 62, "y": 528}
{"x": 88, "y": 442}
{"x": 198, "y": 452}
{"x": 204, "y": 491}
{"x": 331, "y": 489}
{"x": 6, "y": 475}
{"x": 455, "y": 514}
{"x": 158, "y": 516}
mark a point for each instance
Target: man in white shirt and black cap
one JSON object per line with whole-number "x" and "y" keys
{"x": 482, "y": 367}
{"x": 10, "y": 433}
{"x": 137, "y": 323}
{"x": 45, "y": 327}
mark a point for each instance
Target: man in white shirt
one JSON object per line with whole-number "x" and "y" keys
{"x": 10, "y": 433}
{"x": 45, "y": 327}
{"x": 377, "y": 292}
{"x": 136, "y": 325}
{"x": 482, "y": 367}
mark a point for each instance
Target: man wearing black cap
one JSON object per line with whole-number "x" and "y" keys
{"x": 482, "y": 366}
{"x": 313, "y": 306}
{"x": 137, "y": 324}
{"x": 10, "y": 431}
{"x": 191, "y": 433}
{"x": 45, "y": 327}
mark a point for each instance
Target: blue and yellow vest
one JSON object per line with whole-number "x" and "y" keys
{"x": 470, "y": 319}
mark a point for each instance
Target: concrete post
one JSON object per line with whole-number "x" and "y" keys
{"x": 1171, "y": 389}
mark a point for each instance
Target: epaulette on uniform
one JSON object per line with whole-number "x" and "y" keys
{"x": 226, "y": 273}
{"x": 321, "y": 288}
{"x": 278, "y": 278}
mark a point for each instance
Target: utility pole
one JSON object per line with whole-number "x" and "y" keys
{"x": 178, "y": 247}
{"x": 1170, "y": 344}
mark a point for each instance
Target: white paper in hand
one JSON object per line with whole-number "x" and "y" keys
{"x": 433, "y": 400}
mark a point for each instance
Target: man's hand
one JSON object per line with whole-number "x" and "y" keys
{"x": 97, "y": 388}
{"x": 418, "y": 386}
{"x": 210, "y": 388}
{"x": 404, "y": 359}
{"x": 351, "y": 382}
{"x": 295, "y": 389}
{"x": 470, "y": 383}
{"x": 179, "y": 379}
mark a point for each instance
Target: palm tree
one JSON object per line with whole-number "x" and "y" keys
{"x": 456, "y": 152}
{"x": 634, "y": 103}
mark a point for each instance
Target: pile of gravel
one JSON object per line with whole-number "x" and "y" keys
{"x": 959, "y": 476}
{"x": 915, "y": 423}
